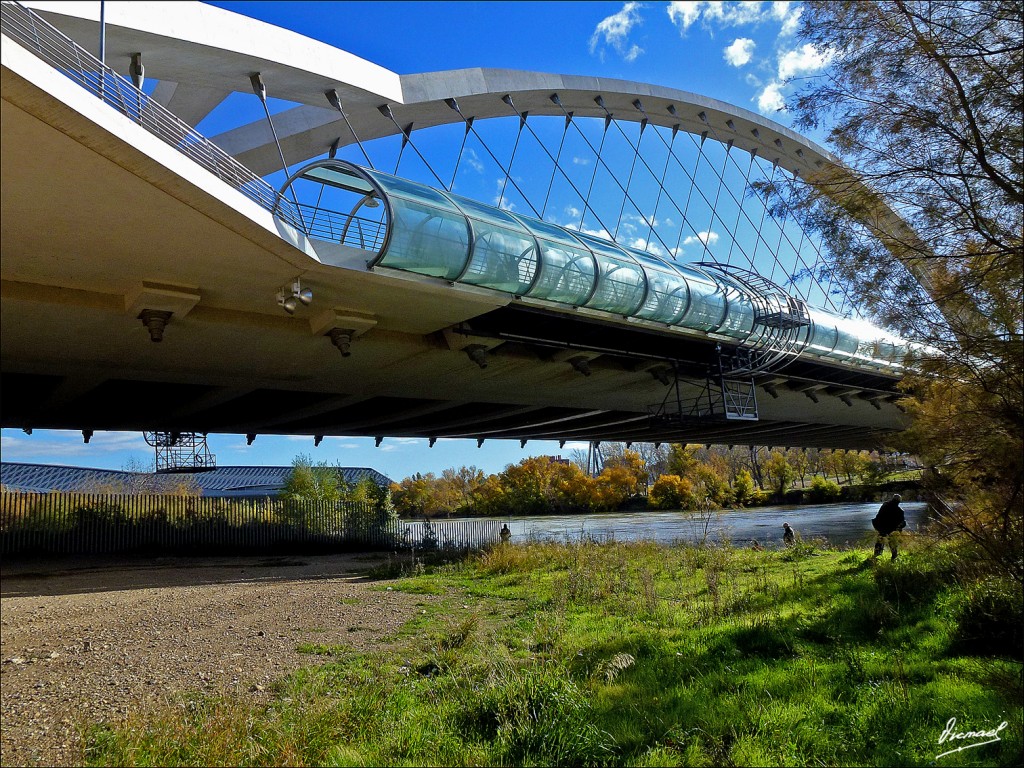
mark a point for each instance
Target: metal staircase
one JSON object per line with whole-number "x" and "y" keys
{"x": 181, "y": 452}
{"x": 781, "y": 329}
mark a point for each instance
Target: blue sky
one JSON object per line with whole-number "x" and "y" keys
{"x": 745, "y": 53}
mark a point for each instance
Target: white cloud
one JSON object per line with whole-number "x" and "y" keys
{"x": 581, "y": 161}
{"x": 684, "y": 14}
{"x": 805, "y": 60}
{"x": 771, "y": 100}
{"x": 614, "y": 31}
{"x": 633, "y": 52}
{"x": 500, "y": 199}
{"x": 602, "y": 233}
{"x": 395, "y": 443}
{"x": 740, "y": 51}
{"x": 789, "y": 14}
{"x": 723, "y": 14}
{"x": 573, "y": 211}
{"x": 66, "y": 442}
{"x": 648, "y": 245}
{"x": 473, "y": 160}
{"x": 707, "y": 238}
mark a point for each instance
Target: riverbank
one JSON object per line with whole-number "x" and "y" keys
{"x": 86, "y": 641}
{"x": 844, "y": 525}
{"x": 635, "y": 654}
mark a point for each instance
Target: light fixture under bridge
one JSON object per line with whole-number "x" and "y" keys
{"x": 290, "y": 297}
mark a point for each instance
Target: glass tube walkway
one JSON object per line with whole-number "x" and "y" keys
{"x": 405, "y": 225}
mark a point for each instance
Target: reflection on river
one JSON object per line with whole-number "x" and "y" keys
{"x": 837, "y": 523}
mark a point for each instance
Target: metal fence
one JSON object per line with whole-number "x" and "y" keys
{"x": 85, "y": 524}
{"x": 324, "y": 224}
{"x": 70, "y": 59}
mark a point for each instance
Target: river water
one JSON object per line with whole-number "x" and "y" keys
{"x": 838, "y": 524}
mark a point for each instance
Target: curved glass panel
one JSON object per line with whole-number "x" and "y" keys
{"x": 504, "y": 252}
{"x": 847, "y": 343}
{"x": 393, "y": 185}
{"x": 621, "y": 283}
{"x": 567, "y": 274}
{"x": 824, "y": 334}
{"x": 426, "y": 240}
{"x": 708, "y": 302}
{"x": 667, "y": 292}
{"x": 568, "y": 269}
{"x": 428, "y": 234}
{"x": 739, "y": 315}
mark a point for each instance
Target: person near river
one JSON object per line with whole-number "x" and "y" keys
{"x": 889, "y": 521}
{"x": 788, "y": 535}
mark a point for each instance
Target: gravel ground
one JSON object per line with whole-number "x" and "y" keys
{"x": 82, "y": 642}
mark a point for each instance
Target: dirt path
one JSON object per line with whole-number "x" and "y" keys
{"x": 88, "y": 644}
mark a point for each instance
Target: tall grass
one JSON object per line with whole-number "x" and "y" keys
{"x": 637, "y": 654}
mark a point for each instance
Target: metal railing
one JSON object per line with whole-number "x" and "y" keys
{"x": 324, "y": 224}
{"x": 65, "y": 55}
{"x": 88, "y": 524}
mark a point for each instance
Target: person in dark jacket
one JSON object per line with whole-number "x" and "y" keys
{"x": 788, "y": 535}
{"x": 888, "y": 522}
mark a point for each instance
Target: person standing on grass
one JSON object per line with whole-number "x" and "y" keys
{"x": 788, "y": 535}
{"x": 889, "y": 521}
{"x": 506, "y": 534}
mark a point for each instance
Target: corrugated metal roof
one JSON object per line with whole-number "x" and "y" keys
{"x": 222, "y": 481}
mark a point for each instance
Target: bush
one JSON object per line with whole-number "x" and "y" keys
{"x": 823, "y": 490}
{"x": 671, "y": 492}
{"x": 539, "y": 717}
{"x": 793, "y": 496}
{"x": 990, "y": 620}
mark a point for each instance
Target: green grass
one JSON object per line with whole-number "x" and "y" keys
{"x": 637, "y": 654}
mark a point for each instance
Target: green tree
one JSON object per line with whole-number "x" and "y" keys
{"x": 312, "y": 482}
{"x": 743, "y": 489}
{"x": 800, "y": 462}
{"x": 779, "y": 472}
{"x": 922, "y": 101}
{"x": 681, "y": 460}
{"x": 672, "y": 492}
{"x": 823, "y": 490}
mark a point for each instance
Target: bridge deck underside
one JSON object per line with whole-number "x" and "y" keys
{"x": 106, "y": 408}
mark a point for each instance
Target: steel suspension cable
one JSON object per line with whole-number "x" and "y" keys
{"x": 407, "y": 132}
{"x": 760, "y": 225}
{"x": 730, "y": 193}
{"x": 458, "y": 160}
{"x": 629, "y": 179}
{"x": 797, "y": 249}
{"x": 736, "y": 226}
{"x": 608, "y": 119}
{"x": 519, "y": 134}
{"x": 454, "y": 105}
{"x": 335, "y": 100}
{"x": 401, "y": 151}
{"x": 556, "y": 167}
{"x": 661, "y": 186}
{"x": 593, "y": 176}
{"x": 664, "y": 173}
{"x": 714, "y": 207}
